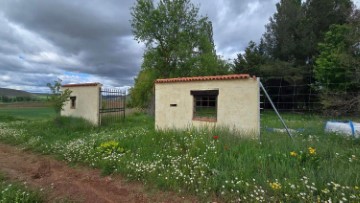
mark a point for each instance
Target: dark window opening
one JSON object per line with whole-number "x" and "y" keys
{"x": 73, "y": 102}
{"x": 205, "y": 105}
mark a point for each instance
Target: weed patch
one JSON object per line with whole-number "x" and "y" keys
{"x": 15, "y": 192}
{"x": 313, "y": 167}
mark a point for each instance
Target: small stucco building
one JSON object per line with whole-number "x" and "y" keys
{"x": 84, "y": 101}
{"x": 231, "y": 101}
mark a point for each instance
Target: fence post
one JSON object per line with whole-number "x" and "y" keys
{"x": 276, "y": 111}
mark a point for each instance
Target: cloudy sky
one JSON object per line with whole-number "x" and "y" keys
{"x": 91, "y": 40}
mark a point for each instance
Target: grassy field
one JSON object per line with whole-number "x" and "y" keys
{"x": 25, "y": 104}
{"x": 9, "y": 114}
{"x": 209, "y": 163}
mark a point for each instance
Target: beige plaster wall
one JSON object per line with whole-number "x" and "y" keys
{"x": 87, "y": 103}
{"x": 237, "y": 105}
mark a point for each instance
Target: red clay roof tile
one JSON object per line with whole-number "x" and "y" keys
{"x": 204, "y": 78}
{"x": 81, "y": 84}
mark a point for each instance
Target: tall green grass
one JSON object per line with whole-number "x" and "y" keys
{"x": 312, "y": 167}
{"x": 16, "y": 192}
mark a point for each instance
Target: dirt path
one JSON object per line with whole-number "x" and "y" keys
{"x": 75, "y": 184}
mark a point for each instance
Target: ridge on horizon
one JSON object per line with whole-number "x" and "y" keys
{"x": 16, "y": 93}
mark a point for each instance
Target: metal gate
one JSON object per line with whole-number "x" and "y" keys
{"x": 112, "y": 105}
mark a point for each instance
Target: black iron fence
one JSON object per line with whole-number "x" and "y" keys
{"x": 112, "y": 105}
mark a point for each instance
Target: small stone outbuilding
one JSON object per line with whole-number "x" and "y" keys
{"x": 84, "y": 101}
{"x": 231, "y": 101}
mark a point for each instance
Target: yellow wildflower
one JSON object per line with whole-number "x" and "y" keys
{"x": 312, "y": 151}
{"x": 275, "y": 185}
{"x": 356, "y": 187}
{"x": 294, "y": 154}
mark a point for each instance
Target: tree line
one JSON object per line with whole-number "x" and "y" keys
{"x": 9, "y": 99}
{"x": 313, "y": 44}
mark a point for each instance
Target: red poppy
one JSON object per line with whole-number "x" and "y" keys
{"x": 215, "y": 137}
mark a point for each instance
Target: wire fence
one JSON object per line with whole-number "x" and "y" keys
{"x": 312, "y": 97}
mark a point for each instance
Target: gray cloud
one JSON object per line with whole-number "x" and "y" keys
{"x": 87, "y": 41}
{"x": 237, "y": 22}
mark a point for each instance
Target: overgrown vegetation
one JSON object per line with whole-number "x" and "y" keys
{"x": 15, "y": 192}
{"x": 179, "y": 43}
{"x": 337, "y": 70}
{"x": 58, "y": 96}
{"x": 208, "y": 163}
{"x": 310, "y": 49}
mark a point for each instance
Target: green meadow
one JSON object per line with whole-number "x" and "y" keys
{"x": 209, "y": 163}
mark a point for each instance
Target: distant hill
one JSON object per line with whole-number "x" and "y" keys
{"x": 14, "y": 93}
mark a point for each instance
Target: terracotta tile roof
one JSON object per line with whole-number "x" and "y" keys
{"x": 204, "y": 78}
{"x": 82, "y": 84}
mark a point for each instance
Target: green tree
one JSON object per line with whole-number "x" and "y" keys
{"x": 142, "y": 91}
{"x": 282, "y": 34}
{"x": 354, "y": 45}
{"x": 331, "y": 69}
{"x": 6, "y": 99}
{"x": 319, "y": 16}
{"x": 296, "y": 28}
{"x": 58, "y": 96}
{"x": 178, "y": 42}
{"x": 250, "y": 62}
{"x": 285, "y": 44}
{"x": 291, "y": 39}
{"x": 337, "y": 69}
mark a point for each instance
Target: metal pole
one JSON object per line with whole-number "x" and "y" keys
{"x": 124, "y": 104}
{"x": 100, "y": 105}
{"x": 258, "y": 81}
{"x": 276, "y": 111}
